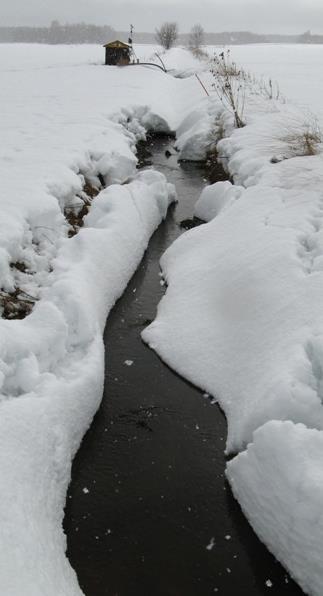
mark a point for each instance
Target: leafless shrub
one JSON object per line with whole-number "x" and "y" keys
{"x": 200, "y": 54}
{"x": 268, "y": 88}
{"x": 296, "y": 136}
{"x": 196, "y": 38}
{"x": 223, "y": 65}
{"x": 167, "y": 34}
{"x": 305, "y": 140}
{"x": 229, "y": 85}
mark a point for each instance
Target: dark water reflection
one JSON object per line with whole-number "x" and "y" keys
{"x": 148, "y": 493}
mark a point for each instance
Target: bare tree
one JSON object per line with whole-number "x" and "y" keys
{"x": 167, "y": 34}
{"x": 196, "y": 37}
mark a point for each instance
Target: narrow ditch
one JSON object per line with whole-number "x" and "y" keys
{"x": 149, "y": 512}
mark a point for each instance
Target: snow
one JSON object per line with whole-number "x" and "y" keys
{"x": 278, "y": 481}
{"x": 52, "y": 366}
{"x": 252, "y": 306}
{"x": 215, "y": 198}
{"x": 249, "y": 282}
{"x": 65, "y": 122}
{"x": 242, "y": 317}
{"x": 181, "y": 63}
{"x": 196, "y": 134}
{"x": 293, "y": 67}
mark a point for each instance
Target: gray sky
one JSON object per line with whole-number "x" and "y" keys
{"x": 262, "y": 16}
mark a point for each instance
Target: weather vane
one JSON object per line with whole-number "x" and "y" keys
{"x": 131, "y": 33}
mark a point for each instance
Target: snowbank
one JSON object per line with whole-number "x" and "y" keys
{"x": 215, "y": 198}
{"x": 181, "y": 63}
{"x": 58, "y": 136}
{"x": 278, "y": 482}
{"x": 197, "y": 133}
{"x": 293, "y": 69}
{"x": 52, "y": 364}
{"x": 250, "y": 282}
{"x": 242, "y": 319}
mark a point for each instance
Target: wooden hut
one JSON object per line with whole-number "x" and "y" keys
{"x": 117, "y": 53}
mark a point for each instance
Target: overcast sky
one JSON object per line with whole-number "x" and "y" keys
{"x": 262, "y": 16}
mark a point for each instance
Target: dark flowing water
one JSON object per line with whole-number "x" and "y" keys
{"x": 148, "y": 493}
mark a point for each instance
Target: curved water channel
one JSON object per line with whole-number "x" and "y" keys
{"x": 149, "y": 512}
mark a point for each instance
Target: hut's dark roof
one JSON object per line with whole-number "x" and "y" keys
{"x": 116, "y": 44}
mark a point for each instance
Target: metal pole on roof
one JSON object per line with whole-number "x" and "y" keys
{"x": 130, "y": 42}
{"x": 131, "y": 35}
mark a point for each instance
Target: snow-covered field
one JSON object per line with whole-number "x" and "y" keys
{"x": 296, "y": 68}
{"x": 250, "y": 282}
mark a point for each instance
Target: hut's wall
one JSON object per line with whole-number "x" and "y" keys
{"x": 117, "y": 56}
{"x": 124, "y": 60}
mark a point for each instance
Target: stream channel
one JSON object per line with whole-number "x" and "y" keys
{"x": 148, "y": 493}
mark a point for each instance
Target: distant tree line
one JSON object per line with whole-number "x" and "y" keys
{"x": 84, "y": 33}
{"x": 307, "y": 37}
{"x": 57, "y": 33}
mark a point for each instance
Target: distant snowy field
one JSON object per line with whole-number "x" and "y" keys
{"x": 19, "y": 56}
{"x": 297, "y": 69}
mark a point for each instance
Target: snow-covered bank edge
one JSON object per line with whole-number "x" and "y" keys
{"x": 52, "y": 364}
{"x": 241, "y": 319}
{"x": 278, "y": 483}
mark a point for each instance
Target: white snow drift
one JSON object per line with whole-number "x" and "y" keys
{"x": 52, "y": 369}
{"x": 250, "y": 284}
{"x": 278, "y": 482}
